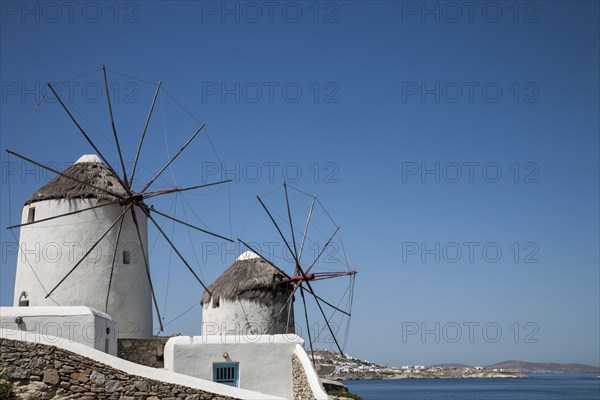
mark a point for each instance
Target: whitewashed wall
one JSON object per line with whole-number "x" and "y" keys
{"x": 53, "y": 247}
{"x": 76, "y": 324}
{"x": 265, "y": 361}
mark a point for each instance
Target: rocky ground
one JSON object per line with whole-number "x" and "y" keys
{"x": 334, "y": 366}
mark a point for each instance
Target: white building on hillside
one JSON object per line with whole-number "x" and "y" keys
{"x": 82, "y": 283}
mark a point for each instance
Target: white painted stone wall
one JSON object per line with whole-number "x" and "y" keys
{"x": 76, "y": 324}
{"x": 311, "y": 374}
{"x": 247, "y": 317}
{"x": 265, "y": 361}
{"x": 53, "y": 247}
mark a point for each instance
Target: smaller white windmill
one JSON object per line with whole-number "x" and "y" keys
{"x": 304, "y": 274}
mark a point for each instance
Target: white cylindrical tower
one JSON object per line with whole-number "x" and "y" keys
{"x": 246, "y": 299}
{"x": 50, "y": 249}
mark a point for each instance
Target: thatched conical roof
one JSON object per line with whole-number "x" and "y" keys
{"x": 249, "y": 277}
{"x": 89, "y": 168}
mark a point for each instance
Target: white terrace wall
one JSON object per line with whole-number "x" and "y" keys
{"x": 76, "y": 324}
{"x": 94, "y": 373}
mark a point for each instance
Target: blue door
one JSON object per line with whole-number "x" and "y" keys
{"x": 226, "y": 373}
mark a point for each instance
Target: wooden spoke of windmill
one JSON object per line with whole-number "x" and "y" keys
{"x": 124, "y": 195}
{"x": 302, "y": 278}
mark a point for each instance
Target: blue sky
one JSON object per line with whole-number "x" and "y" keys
{"x": 456, "y": 147}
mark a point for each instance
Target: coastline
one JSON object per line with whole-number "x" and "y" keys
{"x": 433, "y": 373}
{"x": 333, "y": 366}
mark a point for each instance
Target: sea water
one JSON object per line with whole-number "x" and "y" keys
{"x": 550, "y": 386}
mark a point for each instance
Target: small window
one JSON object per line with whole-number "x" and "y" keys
{"x": 226, "y": 373}
{"x": 23, "y": 300}
{"x": 126, "y": 257}
{"x": 31, "y": 215}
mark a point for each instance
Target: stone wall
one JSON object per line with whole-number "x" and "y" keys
{"x": 149, "y": 352}
{"x": 302, "y": 390}
{"x": 39, "y": 371}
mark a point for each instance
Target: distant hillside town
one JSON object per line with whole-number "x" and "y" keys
{"x": 330, "y": 365}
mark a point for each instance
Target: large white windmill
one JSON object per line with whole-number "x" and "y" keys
{"x": 88, "y": 231}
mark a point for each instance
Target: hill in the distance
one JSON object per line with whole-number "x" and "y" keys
{"x": 452, "y": 365}
{"x": 525, "y": 366}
